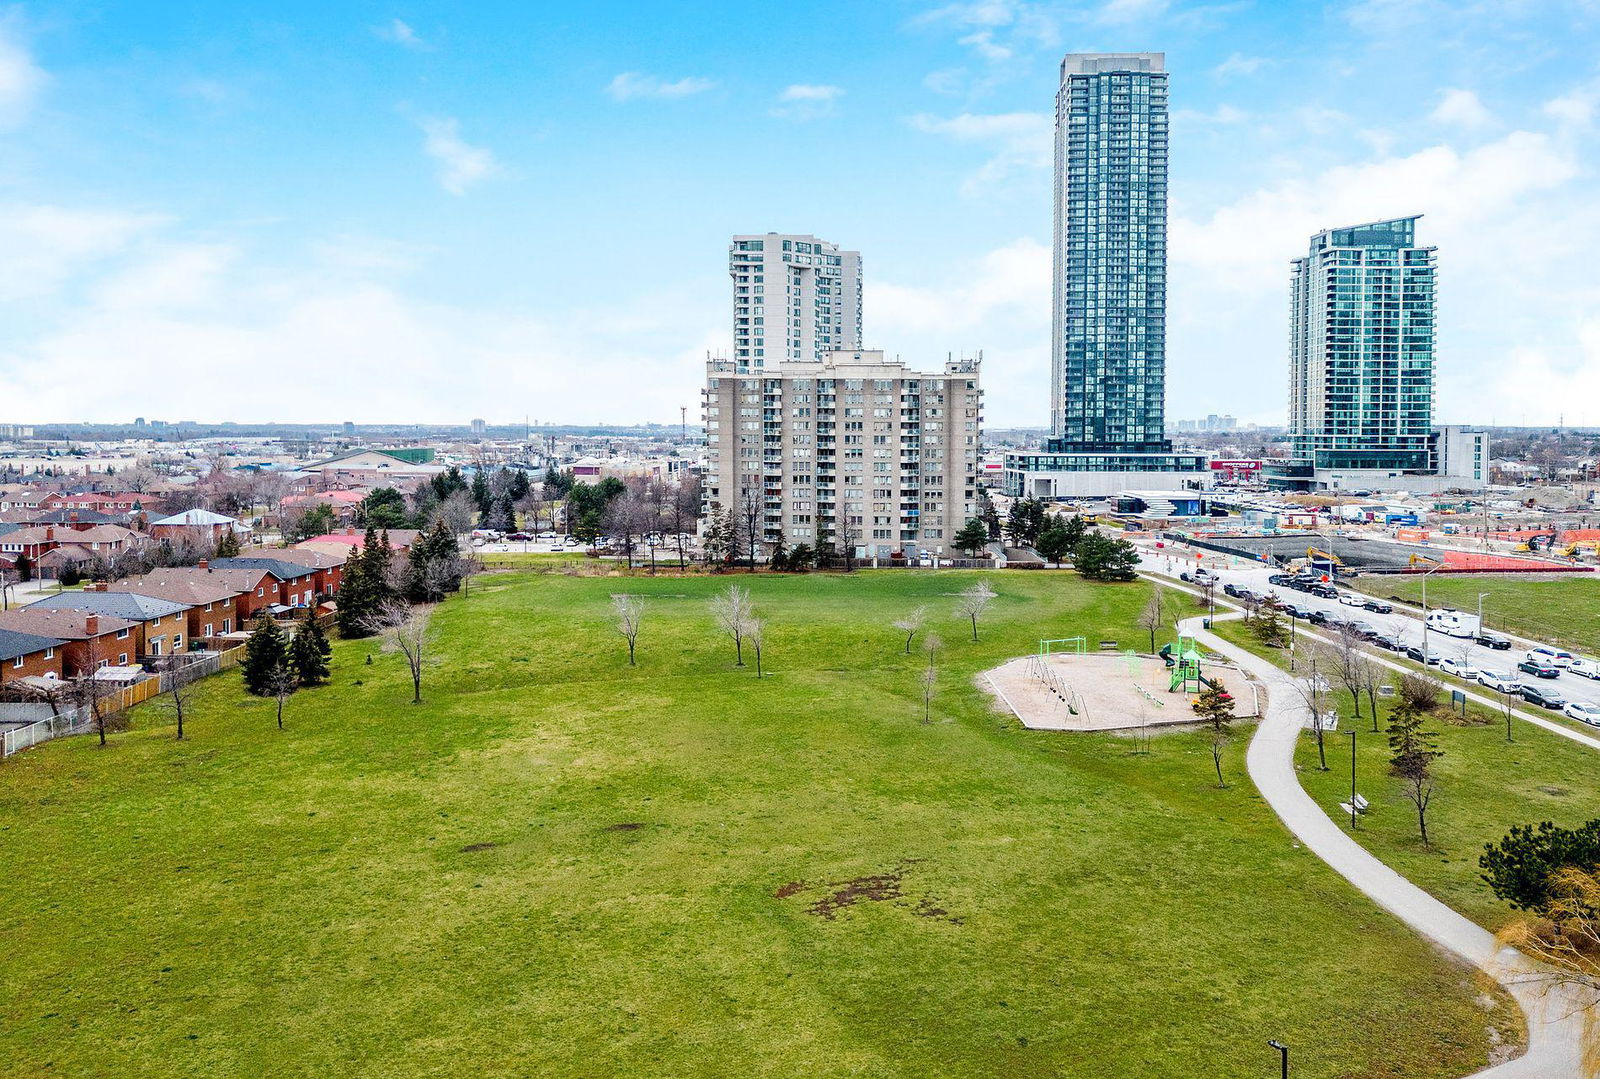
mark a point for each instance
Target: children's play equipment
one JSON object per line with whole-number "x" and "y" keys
{"x": 1074, "y": 645}
{"x": 1183, "y": 660}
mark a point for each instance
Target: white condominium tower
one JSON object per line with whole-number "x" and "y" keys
{"x": 794, "y": 298}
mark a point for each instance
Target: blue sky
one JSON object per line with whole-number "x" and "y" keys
{"x": 432, "y": 212}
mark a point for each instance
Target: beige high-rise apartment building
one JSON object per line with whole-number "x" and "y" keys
{"x": 852, "y": 449}
{"x": 794, "y": 298}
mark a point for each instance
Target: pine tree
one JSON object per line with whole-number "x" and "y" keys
{"x": 378, "y": 561}
{"x": 480, "y": 491}
{"x": 357, "y": 599}
{"x": 228, "y": 544}
{"x": 308, "y": 654}
{"x": 265, "y": 654}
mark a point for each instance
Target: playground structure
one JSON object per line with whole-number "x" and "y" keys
{"x": 1064, "y": 687}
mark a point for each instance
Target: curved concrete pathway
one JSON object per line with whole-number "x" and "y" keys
{"x": 1555, "y": 1014}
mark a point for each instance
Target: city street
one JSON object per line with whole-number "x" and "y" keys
{"x": 1403, "y": 625}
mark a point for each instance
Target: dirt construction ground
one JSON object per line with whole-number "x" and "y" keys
{"x": 1106, "y": 692}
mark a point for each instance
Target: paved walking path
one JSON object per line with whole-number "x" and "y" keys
{"x": 1555, "y": 1014}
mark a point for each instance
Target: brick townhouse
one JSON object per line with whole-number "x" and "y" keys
{"x": 213, "y": 604}
{"x": 28, "y": 655}
{"x": 96, "y": 541}
{"x": 163, "y": 624}
{"x": 89, "y": 641}
{"x": 299, "y": 584}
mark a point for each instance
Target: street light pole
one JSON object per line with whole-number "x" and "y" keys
{"x": 1481, "y": 596}
{"x": 1425, "y": 577}
{"x": 1283, "y": 1050}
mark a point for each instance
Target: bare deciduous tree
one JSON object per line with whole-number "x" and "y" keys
{"x": 630, "y": 616}
{"x": 972, "y": 601}
{"x": 755, "y": 631}
{"x": 1348, "y": 657}
{"x": 1313, "y": 690}
{"x": 406, "y": 628}
{"x": 912, "y": 624}
{"x": 1154, "y": 615}
{"x": 281, "y": 684}
{"x": 732, "y": 610}
{"x": 930, "y": 676}
{"x": 182, "y": 678}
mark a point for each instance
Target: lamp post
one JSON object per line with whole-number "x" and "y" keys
{"x": 1283, "y": 1051}
{"x": 1352, "y": 781}
{"x": 1481, "y": 597}
{"x": 1425, "y": 577}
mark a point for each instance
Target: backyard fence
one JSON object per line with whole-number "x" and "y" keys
{"x": 80, "y": 720}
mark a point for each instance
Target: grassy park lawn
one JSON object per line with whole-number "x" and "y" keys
{"x": 1562, "y": 609}
{"x": 560, "y": 865}
{"x": 1484, "y": 786}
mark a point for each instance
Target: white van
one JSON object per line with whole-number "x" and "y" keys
{"x": 1588, "y": 668}
{"x": 1553, "y": 656}
{"x": 1453, "y": 623}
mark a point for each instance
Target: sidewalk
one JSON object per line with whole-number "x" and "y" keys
{"x": 1555, "y": 1014}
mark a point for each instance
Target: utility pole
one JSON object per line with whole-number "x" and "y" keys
{"x": 683, "y": 423}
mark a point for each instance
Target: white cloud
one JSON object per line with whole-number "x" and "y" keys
{"x": 400, "y": 33}
{"x": 1575, "y": 109}
{"x": 45, "y": 245}
{"x": 997, "y": 30}
{"x": 1239, "y": 64}
{"x": 1461, "y": 108}
{"x": 805, "y": 101}
{"x": 1020, "y": 141}
{"x": 21, "y": 78}
{"x": 632, "y": 84}
{"x": 999, "y": 302}
{"x": 371, "y": 351}
{"x": 461, "y": 165}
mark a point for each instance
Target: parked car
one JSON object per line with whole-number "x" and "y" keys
{"x": 1493, "y": 640}
{"x": 1459, "y": 667}
{"x": 1539, "y": 668}
{"x": 1583, "y": 712}
{"x": 1544, "y": 698}
{"x": 546, "y": 537}
{"x": 1293, "y": 610}
{"x": 1278, "y": 579}
{"x": 1498, "y": 680}
{"x": 1230, "y": 590}
{"x": 1324, "y": 591}
{"x": 1588, "y": 668}
{"x": 1414, "y": 651}
{"x": 520, "y": 537}
{"x": 1350, "y": 599}
{"x": 1201, "y": 577}
{"x": 1364, "y": 630}
{"x": 1385, "y": 642}
{"x": 1555, "y": 657}
{"x": 1377, "y": 606}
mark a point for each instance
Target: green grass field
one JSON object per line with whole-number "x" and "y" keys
{"x": 1560, "y": 609}
{"x": 1484, "y": 786}
{"x": 558, "y": 865}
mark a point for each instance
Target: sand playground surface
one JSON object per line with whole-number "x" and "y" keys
{"x": 1107, "y": 691}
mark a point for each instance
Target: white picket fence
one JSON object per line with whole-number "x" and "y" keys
{"x": 79, "y": 720}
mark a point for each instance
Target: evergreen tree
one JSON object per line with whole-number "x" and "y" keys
{"x": 379, "y": 560}
{"x": 228, "y": 544}
{"x": 1075, "y": 529}
{"x": 1100, "y": 558}
{"x": 265, "y": 654}
{"x": 308, "y": 654}
{"x": 359, "y": 594}
{"x": 972, "y": 537}
{"x": 480, "y": 491}
{"x": 1054, "y": 542}
{"x": 24, "y": 567}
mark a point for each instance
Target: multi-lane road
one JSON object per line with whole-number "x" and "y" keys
{"x": 1402, "y": 625}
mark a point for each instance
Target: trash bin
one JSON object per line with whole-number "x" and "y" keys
{"x": 1206, "y": 622}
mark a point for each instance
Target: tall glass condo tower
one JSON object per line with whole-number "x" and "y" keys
{"x": 1108, "y": 349}
{"x": 1110, "y": 283}
{"x": 1361, "y": 349}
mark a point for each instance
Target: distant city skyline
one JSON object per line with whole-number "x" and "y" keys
{"x": 433, "y": 213}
